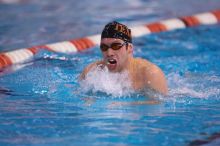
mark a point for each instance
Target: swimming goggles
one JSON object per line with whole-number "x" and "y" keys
{"x": 114, "y": 46}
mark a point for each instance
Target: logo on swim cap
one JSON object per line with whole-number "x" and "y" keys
{"x": 118, "y": 31}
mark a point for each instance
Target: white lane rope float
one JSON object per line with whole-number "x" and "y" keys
{"x": 77, "y": 45}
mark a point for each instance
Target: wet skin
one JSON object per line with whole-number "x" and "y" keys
{"x": 143, "y": 74}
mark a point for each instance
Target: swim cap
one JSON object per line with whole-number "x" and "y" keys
{"x": 118, "y": 31}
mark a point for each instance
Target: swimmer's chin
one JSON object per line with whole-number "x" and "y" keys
{"x": 112, "y": 68}
{"x": 112, "y": 64}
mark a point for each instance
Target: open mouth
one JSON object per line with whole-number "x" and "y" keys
{"x": 111, "y": 61}
{"x": 111, "y": 64}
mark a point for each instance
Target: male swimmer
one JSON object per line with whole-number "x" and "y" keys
{"x": 117, "y": 50}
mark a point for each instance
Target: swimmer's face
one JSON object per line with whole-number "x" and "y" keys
{"x": 115, "y": 53}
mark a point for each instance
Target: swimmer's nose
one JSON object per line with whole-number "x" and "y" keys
{"x": 110, "y": 52}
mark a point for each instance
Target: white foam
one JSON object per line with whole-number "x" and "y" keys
{"x": 101, "y": 80}
{"x": 193, "y": 85}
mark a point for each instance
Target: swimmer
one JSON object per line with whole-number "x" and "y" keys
{"x": 117, "y": 50}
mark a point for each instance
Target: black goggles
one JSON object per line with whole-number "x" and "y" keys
{"x": 114, "y": 46}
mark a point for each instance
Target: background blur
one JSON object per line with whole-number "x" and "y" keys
{"x": 26, "y": 23}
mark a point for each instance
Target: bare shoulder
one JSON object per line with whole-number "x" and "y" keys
{"x": 147, "y": 67}
{"x": 144, "y": 65}
{"x": 152, "y": 75}
{"x": 89, "y": 68}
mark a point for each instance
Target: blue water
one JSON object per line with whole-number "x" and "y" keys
{"x": 42, "y": 102}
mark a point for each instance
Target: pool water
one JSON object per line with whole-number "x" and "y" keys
{"x": 43, "y": 103}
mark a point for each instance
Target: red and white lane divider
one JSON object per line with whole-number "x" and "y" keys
{"x": 77, "y": 45}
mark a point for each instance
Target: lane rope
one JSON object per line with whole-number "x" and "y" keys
{"x": 78, "y": 45}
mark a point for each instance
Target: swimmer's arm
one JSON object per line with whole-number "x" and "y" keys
{"x": 84, "y": 72}
{"x": 87, "y": 69}
{"x": 155, "y": 80}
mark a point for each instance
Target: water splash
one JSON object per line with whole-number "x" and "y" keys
{"x": 193, "y": 86}
{"x": 101, "y": 80}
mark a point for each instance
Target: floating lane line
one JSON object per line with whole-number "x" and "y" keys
{"x": 78, "y": 45}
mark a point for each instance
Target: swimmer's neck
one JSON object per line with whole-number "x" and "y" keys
{"x": 128, "y": 64}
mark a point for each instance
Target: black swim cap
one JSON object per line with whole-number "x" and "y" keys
{"x": 118, "y": 31}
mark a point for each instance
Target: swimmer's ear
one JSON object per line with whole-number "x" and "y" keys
{"x": 130, "y": 48}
